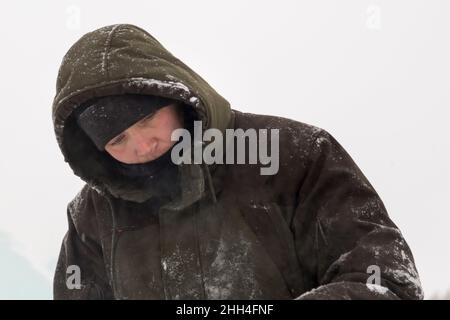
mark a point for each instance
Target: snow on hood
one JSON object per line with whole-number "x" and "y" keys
{"x": 120, "y": 59}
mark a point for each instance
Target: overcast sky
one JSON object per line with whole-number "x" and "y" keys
{"x": 375, "y": 74}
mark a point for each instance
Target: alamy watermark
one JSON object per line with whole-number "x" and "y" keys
{"x": 73, "y": 281}
{"x": 73, "y": 21}
{"x": 375, "y": 275}
{"x": 373, "y": 17}
{"x": 213, "y": 152}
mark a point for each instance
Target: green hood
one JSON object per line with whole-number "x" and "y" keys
{"x": 122, "y": 59}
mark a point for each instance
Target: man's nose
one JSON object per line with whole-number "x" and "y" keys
{"x": 145, "y": 146}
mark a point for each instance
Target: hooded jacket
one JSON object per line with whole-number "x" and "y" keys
{"x": 315, "y": 230}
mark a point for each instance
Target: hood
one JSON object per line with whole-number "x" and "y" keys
{"x": 121, "y": 59}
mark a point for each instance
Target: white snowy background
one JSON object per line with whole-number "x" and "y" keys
{"x": 375, "y": 74}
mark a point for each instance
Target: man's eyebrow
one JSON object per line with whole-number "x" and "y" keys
{"x": 148, "y": 116}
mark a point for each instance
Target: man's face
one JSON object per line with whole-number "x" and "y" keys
{"x": 147, "y": 139}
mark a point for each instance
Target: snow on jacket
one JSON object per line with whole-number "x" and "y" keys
{"x": 311, "y": 231}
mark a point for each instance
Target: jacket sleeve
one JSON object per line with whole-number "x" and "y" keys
{"x": 80, "y": 272}
{"x": 346, "y": 243}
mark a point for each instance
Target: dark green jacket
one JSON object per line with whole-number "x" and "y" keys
{"x": 311, "y": 230}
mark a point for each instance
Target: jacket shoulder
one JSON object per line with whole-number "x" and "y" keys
{"x": 295, "y": 137}
{"x": 247, "y": 120}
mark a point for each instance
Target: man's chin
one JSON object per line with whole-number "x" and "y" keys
{"x": 149, "y": 159}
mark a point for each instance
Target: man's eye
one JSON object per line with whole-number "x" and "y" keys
{"x": 117, "y": 141}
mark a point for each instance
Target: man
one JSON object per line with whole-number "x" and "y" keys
{"x": 145, "y": 227}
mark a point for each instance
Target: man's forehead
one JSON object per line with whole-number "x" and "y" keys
{"x": 109, "y": 116}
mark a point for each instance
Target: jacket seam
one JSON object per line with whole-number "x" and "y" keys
{"x": 106, "y": 52}
{"x": 199, "y": 255}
